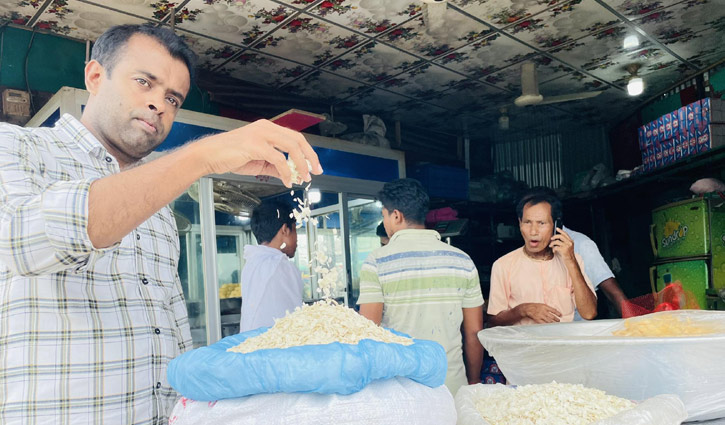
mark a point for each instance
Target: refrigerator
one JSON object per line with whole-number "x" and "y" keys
{"x": 688, "y": 241}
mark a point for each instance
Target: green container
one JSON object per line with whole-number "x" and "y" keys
{"x": 693, "y": 274}
{"x": 717, "y": 239}
{"x": 681, "y": 229}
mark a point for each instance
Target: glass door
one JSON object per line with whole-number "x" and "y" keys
{"x": 364, "y": 216}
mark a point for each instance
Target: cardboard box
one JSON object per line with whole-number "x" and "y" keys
{"x": 692, "y": 141}
{"x": 675, "y": 119}
{"x": 648, "y": 134}
{"x": 703, "y": 140}
{"x": 652, "y": 158}
{"x": 667, "y": 158}
{"x": 667, "y": 120}
{"x": 661, "y": 129}
{"x": 690, "y": 115}
{"x": 655, "y": 131}
{"x": 658, "y": 155}
{"x": 699, "y": 119}
{"x": 678, "y": 149}
{"x": 684, "y": 144}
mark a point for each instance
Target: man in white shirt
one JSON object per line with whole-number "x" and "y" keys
{"x": 271, "y": 283}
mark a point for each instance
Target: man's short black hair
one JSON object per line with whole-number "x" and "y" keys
{"x": 537, "y": 195}
{"x": 380, "y": 231}
{"x": 406, "y": 196}
{"x": 110, "y": 44}
{"x": 268, "y": 217}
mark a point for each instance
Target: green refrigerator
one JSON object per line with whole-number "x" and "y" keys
{"x": 688, "y": 240}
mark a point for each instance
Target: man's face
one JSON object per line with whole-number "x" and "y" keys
{"x": 291, "y": 242}
{"x": 139, "y": 99}
{"x": 536, "y": 226}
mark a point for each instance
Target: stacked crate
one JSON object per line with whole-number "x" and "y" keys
{"x": 688, "y": 131}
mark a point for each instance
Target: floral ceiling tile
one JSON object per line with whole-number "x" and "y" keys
{"x": 256, "y": 67}
{"x": 601, "y": 50}
{"x": 309, "y": 40}
{"x": 20, "y": 12}
{"x": 372, "y": 62}
{"x": 710, "y": 40}
{"x": 431, "y": 39}
{"x": 81, "y": 20}
{"x": 371, "y": 17}
{"x": 564, "y": 24}
{"x": 424, "y": 83}
{"x": 651, "y": 60}
{"x": 471, "y": 96}
{"x": 501, "y": 13}
{"x": 548, "y": 68}
{"x": 633, "y": 9}
{"x": 572, "y": 83}
{"x": 324, "y": 85}
{"x": 212, "y": 53}
{"x": 237, "y": 22}
{"x": 374, "y": 100}
{"x": 150, "y": 9}
{"x": 484, "y": 57}
{"x": 683, "y": 22}
{"x": 508, "y": 78}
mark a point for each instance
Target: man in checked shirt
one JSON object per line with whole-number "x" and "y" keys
{"x": 91, "y": 309}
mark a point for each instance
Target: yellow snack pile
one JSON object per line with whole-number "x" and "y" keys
{"x": 667, "y": 325}
{"x": 230, "y": 290}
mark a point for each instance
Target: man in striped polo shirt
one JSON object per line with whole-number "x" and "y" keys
{"x": 418, "y": 285}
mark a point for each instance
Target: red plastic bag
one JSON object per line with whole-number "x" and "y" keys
{"x": 672, "y": 297}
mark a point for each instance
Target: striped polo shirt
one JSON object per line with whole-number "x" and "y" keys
{"x": 423, "y": 284}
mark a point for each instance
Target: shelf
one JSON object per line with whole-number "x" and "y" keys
{"x": 703, "y": 161}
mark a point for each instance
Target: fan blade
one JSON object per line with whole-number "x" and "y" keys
{"x": 529, "y": 82}
{"x": 570, "y": 97}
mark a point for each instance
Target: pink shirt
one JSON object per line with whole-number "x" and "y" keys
{"x": 517, "y": 279}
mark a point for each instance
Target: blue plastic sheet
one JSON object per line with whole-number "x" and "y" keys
{"x": 212, "y": 373}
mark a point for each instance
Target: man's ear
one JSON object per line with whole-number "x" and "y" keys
{"x": 94, "y": 75}
{"x": 398, "y": 217}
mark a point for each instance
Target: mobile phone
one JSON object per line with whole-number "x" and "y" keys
{"x": 557, "y": 224}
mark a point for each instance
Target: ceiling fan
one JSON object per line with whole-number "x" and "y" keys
{"x": 530, "y": 90}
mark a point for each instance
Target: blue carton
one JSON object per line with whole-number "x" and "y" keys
{"x": 675, "y": 119}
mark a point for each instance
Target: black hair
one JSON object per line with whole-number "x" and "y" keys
{"x": 380, "y": 231}
{"x": 110, "y": 44}
{"x": 537, "y": 195}
{"x": 406, "y": 196}
{"x": 268, "y": 217}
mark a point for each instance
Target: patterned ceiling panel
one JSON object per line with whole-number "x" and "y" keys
{"x": 325, "y": 85}
{"x": 308, "y": 40}
{"x": 234, "y": 22}
{"x": 212, "y": 52}
{"x": 263, "y": 69}
{"x": 428, "y": 65}
{"x": 372, "y": 62}
{"x": 564, "y": 24}
{"x": 425, "y": 83}
{"x": 82, "y": 20}
{"x": 371, "y": 17}
{"x": 434, "y": 37}
{"x": 482, "y": 58}
{"x": 502, "y": 13}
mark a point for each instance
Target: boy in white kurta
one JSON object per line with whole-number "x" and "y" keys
{"x": 271, "y": 283}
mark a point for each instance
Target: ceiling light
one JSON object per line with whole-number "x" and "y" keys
{"x": 635, "y": 87}
{"x": 314, "y": 196}
{"x": 630, "y": 42}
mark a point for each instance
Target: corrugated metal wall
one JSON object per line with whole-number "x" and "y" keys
{"x": 554, "y": 159}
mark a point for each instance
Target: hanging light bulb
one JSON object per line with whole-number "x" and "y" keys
{"x": 630, "y": 42}
{"x": 503, "y": 120}
{"x": 314, "y": 196}
{"x": 635, "y": 87}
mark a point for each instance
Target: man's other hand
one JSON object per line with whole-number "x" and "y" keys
{"x": 539, "y": 313}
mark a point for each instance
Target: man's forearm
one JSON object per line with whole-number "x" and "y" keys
{"x": 119, "y": 203}
{"x": 614, "y": 293}
{"x": 505, "y": 318}
{"x": 586, "y": 301}
{"x": 473, "y": 353}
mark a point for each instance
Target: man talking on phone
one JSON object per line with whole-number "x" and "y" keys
{"x": 543, "y": 281}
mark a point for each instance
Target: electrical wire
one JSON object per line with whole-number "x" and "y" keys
{"x": 27, "y": 82}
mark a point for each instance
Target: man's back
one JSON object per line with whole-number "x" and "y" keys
{"x": 423, "y": 284}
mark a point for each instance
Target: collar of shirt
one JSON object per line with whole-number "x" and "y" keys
{"x": 74, "y": 131}
{"x": 262, "y": 250}
{"x": 415, "y": 233}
